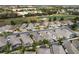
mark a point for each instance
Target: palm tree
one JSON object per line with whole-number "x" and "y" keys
{"x": 22, "y": 47}
{"x": 17, "y": 29}
{"x": 45, "y": 41}
{"x": 54, "y": 19}
{"x": 75, "y": 19}
{"x": 34, "y": 45}
{"x": 13, "y": 23}
{"x": 50, "y": 19}
{"x": 31, "y": 36}
{"x": 7, "y": 48}
{"x": 5, "y": 34}
{"x": 74, "y": 27}
{"x": 60, "y": 41}
{"x": 61, "y": 19}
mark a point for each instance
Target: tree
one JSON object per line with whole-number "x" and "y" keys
{"x": 76, "y": 19}
{"x": 22, "y": 50}
{"x": 26, "y": 22}
{"x": 50, "y": 19}
{"x": 35, "y": 44}
{"x": 54, "y": 19}
{"x": 61, "y": 19}
{"x": 40, "y": 42}
{"x": 7, "y": 48}
{"x": 33, "y": 21}
{"x": 45, "y": 41}
{"x": 31, "y": 36}
{"x": 17, "y": 29}
{"x": 60, "y": 41}
{"x": 5, "y": 34}
{"x": 74, "y": 26}
{"x": 13, "y": 23}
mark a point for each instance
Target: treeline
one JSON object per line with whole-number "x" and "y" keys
{"x": 8, "y": 15}
{"x": 15, "y": 15}
{"x": 73, "y": 12}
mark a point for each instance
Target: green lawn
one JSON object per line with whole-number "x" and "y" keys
{"x": 20, "y": 20}
{"x": 58, "y": 16}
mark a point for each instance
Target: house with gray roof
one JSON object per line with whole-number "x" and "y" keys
{"x": 14, "y": 41}
{"x": 29, "y": 52}
{"x": 67, "y": 45}
{"x": 3, "y": 42}
{"x": 26, "y": 39}
{"x": 43, "y": 51}
{"x": 58, "y": 49}
{"x": 60, "y": 31}
{"x": 76, "y": 43}
{"x": 37, "y": 36}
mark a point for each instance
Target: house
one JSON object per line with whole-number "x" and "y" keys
{"x": 70, "y": 9}
{"x": 51, "y": 35}
{"x": 55, "y": 49}
{"x": 58, "y": 49}
{"x": 5, "y": 28}
{"x": 37, "y": 36}
{"x": 47, "y": 34}
{"x": 26, "y": 39}
{"x": 67, "y": 45}
{"x": 76, "y": 43}
{"x": 14, "y": 40}
{"x": 59, "y": 33}
{"x": 44, "y": 34}
{"x": 43, "y": 51}
{"x": 58, "y": 23}
{"x": 3, "y": 42}
{"x": 23, "y": 27}
{"x": 67, "y": 33}
{"x": 61, "y": 50}
{"x": 30, "y": 26}
{"x": 29, "y": 52}
{"x": 22, "y": 13}
{"x": 75, "y": 50}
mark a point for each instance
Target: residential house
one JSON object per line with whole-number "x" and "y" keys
{"x": 43, "y": 51}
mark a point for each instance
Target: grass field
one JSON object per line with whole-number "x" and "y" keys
{"x": 17, "y": 20}
{"x": 24, "y": 19}
{"x": 67, "y": 17}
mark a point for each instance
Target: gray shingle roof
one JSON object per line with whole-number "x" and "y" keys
{"x": 68, "y": 46}
{"x": 14, "y": 40}
{"x": 3, "y": 41}
{"x": 43, "y": 51}
{"x": 26, "y": 39}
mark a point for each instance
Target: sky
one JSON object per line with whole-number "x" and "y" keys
{"x": 39, "y": 2}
